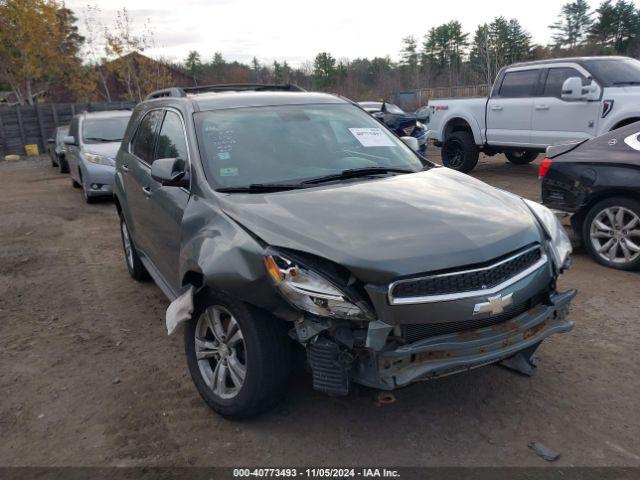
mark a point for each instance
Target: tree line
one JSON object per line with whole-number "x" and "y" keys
{"x": 446, "y": 55}
{"x": 41, "y": 48}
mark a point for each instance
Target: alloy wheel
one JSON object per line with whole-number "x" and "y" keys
{"x": 220, "y": 351}
{"x": 454, "y": 154}
{"x": 615, "y": 235}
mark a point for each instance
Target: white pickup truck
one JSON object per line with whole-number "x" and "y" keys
{"x": 536, "y": 104}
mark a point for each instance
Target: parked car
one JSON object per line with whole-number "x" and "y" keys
{"x": 91, "y": 147}
{"x": 399, "y": 121}
{"x": 536, "y": 104}
{"x": 55, "y": 146}
{"x": 271, "y": 216}
{"x": 598, "y": 182}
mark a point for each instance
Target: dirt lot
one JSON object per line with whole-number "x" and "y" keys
{"x": 88, "y": 375}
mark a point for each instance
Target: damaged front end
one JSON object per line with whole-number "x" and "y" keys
{"x": 387, "y": 337}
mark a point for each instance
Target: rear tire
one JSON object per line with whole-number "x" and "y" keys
{"x": 460, "y": 152}
{"x": 521, "y": 157}
{"x": 241, "y": 378}
{"x": 612, "y": 238}
{"x": 62, "y": 164}
{"x": 53, "y": 162}
{"x": 135, "y": 266}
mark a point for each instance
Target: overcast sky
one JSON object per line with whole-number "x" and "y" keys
{"x": 297, "y": 30}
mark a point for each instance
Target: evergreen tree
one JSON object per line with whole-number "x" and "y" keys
{"x": 324, "y": 70}
{"x": 617, "y": 26}
{"x": 193, "y": 64}
{"x": 573, "y": 26}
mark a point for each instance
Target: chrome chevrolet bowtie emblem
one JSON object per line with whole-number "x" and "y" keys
{"x": 494, "y": 305}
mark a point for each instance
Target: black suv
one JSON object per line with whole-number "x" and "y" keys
{"x": 272, "y": 217}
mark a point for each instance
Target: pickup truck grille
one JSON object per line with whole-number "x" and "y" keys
{"x": 469, "y": 280}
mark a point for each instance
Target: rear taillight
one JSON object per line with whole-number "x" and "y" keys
{"x": 544, "y": 167}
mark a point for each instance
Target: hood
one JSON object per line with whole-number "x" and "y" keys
{"x": 395, "y": 226}
{"x": 108, "y": 149}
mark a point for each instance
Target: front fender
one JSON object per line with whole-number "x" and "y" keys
{"x": 228, "y": 258}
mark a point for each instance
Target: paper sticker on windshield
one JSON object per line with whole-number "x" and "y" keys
{"x": 372, "y": 137}
{"x": 229, "y": 172}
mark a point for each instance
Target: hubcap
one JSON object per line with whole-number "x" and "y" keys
{"x": 615, "y": 235}
{"x": 220, "y": 351}
{"x": 128, "y": 251}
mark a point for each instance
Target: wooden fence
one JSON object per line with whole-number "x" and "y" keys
{"x": 412, "y": 99}
{"x": 22, "y": 125}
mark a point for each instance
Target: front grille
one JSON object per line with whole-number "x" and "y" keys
{"x": 469, "y": 280}
{"x": 414, "y": 332}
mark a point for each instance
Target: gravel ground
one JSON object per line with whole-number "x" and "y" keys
{"x": 88, "y": 375}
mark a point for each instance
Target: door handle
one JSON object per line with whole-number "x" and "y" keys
{"x": 496, "y": 107}
{"x": 542, "y": 107}
{"x": 146, "y": 191}
{"x": 125, "y": 167}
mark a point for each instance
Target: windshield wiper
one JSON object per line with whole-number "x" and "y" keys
{"x": 358, "y": 172}
{"x": 260, "y": 188}
{"x": 100, "y": 139}
{"x": 628, "y": 82}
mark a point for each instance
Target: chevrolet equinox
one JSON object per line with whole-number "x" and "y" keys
{"x": 271, "y": 217}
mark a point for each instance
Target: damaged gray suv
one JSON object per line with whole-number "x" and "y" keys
{"x": 272, "y": 217}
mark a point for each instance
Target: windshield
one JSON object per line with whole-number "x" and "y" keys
{"x": 615, "y": 71}
{"x": 396, "y": 110}
{"x": 290, "y": 144}
{"x": 100, "y": 130}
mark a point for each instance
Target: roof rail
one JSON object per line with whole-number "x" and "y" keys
{"x": 224, "y": 87}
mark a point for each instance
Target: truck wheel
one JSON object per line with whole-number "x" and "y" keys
{"x": 521, "y": 157}
{"x": 611, "y": 233}
{"x": 134, "y": 265}
{"x": 239, "y": 357}
{"x": 460, "y": 152}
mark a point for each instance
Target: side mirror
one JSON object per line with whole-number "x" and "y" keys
{"x": 572, "y": 89}
{"x": 69, "y": 140}
{"x": 50, "y": 140}
{"x": 383, "y": 108}
{"x": 411, "y": 142}
{"x": 170, "y": 172}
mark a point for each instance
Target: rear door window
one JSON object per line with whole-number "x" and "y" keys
{"x": 144, "y": 139}
{"x": 557, "y": 77}
{"x": 519, "y": 84}
{"x": 171, "y": 141}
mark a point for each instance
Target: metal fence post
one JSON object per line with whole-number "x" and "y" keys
{"x": 43, "y": 139}
{"x": 5, "y": 144}
{"x": 20, "y": 125}
{"x": 55, "y": 115}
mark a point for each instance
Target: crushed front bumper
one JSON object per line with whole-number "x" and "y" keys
{"x": 456, "y": 352}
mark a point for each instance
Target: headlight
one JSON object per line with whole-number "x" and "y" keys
{"x": 310, "y": 292}
{"x": 97, "y": 159}
{"x": 558, "y": 239}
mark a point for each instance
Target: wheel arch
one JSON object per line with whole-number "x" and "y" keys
{"x": 625, "y": 122}
{"x": 457, "y": 124}
{"x": 578, "y": 218}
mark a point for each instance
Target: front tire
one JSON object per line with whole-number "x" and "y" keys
{"x": 460, "y": 152}
{"x": 135, "y": 266}
{"x": 611, "y": 233}
{"x": 521, "y": 157}
{"x": 239, "y": 357}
